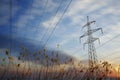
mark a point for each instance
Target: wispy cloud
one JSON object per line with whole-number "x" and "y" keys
{"x": 6, "y": 13}
{"x": 34, "y": 12}
{"x": 34, "y": 22}
{"x": 51, "y": 22}
{"x": 106, "y": 14}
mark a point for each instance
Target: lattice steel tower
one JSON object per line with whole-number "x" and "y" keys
{"x": 90, "y": 42}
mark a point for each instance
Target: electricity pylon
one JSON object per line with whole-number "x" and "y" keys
{"x": 92, "y": 60}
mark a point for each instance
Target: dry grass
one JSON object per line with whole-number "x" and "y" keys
{"x": 48, "y": 69}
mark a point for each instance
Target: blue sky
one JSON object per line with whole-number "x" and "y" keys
{"x": 31, "y": 19}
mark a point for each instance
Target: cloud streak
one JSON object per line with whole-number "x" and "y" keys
{"x": 32, "y": 22}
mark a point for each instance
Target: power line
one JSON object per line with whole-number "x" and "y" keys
{"x": 57, "y": 23}
{"x": 104, "y": 43}
{"x": 52, "y": 20}
{"x": 114, "y": 58}
{"x": 92, "y": 57}
{"x": 109, "y": 54}
{"x": 44, "y": 10}
{"x": 43, "y": 15}
{"x": 109, "y": 41}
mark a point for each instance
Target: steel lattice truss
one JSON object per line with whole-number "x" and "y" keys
{"x": 91, "y": 48}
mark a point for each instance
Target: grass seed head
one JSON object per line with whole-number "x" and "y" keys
{"x": 7, "y": 52}
{"x": 11, "y": 58}
{"x": 18, "y": 65}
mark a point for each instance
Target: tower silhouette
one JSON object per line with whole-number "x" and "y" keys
{"x": 92, "y": 57}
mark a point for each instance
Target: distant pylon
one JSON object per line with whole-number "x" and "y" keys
{"x": 92, "y": 60}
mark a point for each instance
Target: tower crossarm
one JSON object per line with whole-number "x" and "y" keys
{"x": 88, "y": 23}
{"x": 91, "y": 41}
{"x": 90, "y": 32}
{"x": 94, "y": 30}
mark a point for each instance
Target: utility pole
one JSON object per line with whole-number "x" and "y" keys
{"x": 92, "y": 57}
